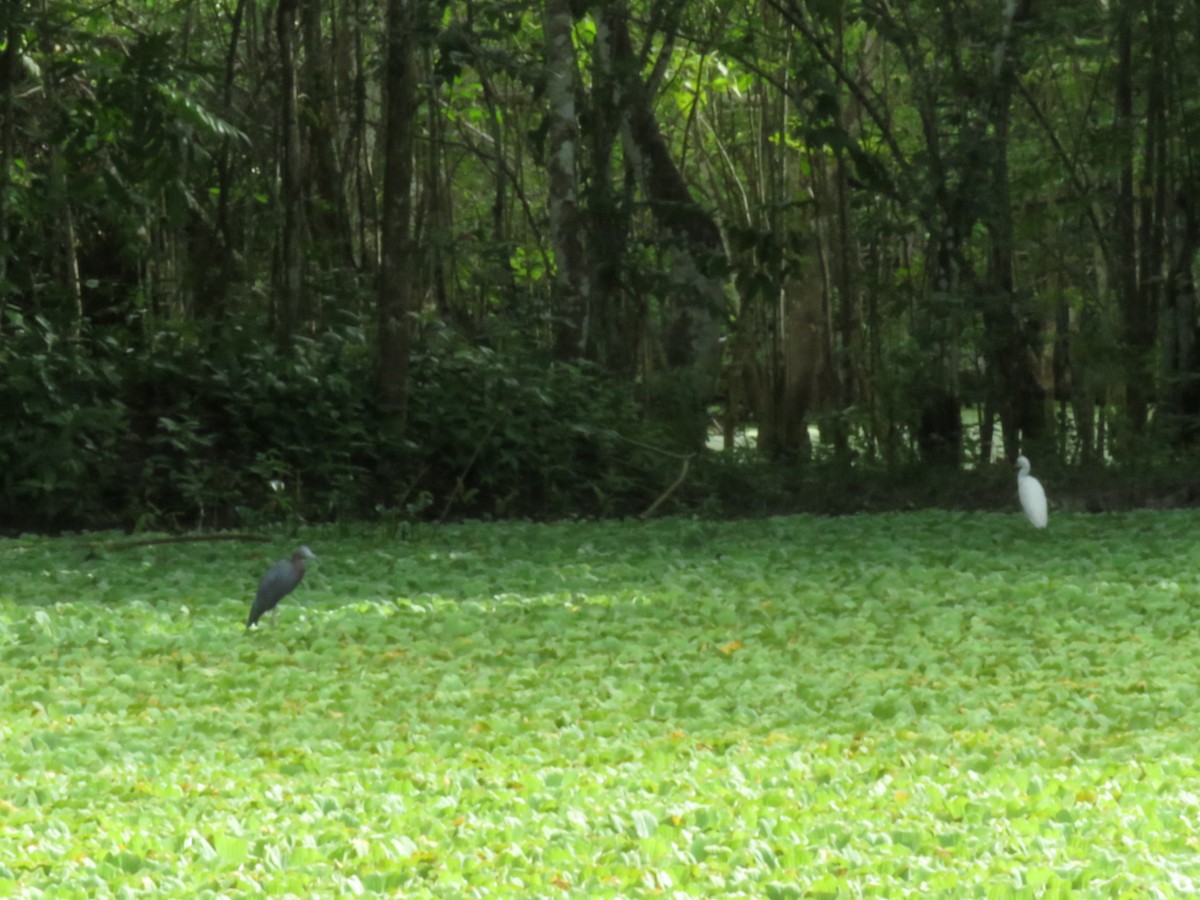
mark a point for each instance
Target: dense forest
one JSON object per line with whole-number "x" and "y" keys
{"x": 332, "y": 258}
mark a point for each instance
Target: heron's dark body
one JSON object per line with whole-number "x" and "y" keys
{"x": 281, "y": 579}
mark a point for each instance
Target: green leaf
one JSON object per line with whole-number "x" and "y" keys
{"x": 644, "y": 823}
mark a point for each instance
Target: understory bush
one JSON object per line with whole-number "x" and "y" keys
{"x": 64, "y": 422}
{"x": 193, "y": 430}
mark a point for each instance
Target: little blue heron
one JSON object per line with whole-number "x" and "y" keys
{"x": 1032, "y": 494}
{"x": 279, "y": 581}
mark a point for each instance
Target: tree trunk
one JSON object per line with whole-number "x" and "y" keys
{"x": 360, "y": 147}
{"x": 1012, "y": 342}
{"x": 328, "y": 212}
{"x": 398, "y": 264}
{"x": 1136, "y": 319}
{"x": 291, "y": 281}
{"x": 616, "y": 321}
{"x": 1181, "y": 348}
{"x": 698, "y": 305}
{"x": 213, "y": 298}
{"x": 1023, "y": 411}
{"x": 10, "y": 71}
{"x": 562, "y": 147}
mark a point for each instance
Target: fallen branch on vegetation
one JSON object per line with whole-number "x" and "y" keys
{"x": 685, "y": 458}
{"x": 178, "y": 539}
{"x": 461, "y": 484}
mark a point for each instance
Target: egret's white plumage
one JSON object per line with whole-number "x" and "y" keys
{"x": 1033, "y": 496}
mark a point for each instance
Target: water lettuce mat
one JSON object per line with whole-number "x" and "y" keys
{"x": 893, "y": 705}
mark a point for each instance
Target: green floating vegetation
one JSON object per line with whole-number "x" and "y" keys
{"x": 892, "y": 705}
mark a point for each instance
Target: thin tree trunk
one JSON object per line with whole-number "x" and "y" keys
{"x": 360, "y": 150}
{"x": 617, "y": 319}
{"x": 1134, "y": 317}
{"x": 398, "y": 268}
{"x": 327, "y": 209}
{"x": 10, "y": 68}
{"x": 562, "y": 147}
{"x": 214, "y": 294}
{"x": 1011, "y": 341}
{"x": 1153, "y": 202}
{"x": 1025, "y": 422}
{"x": 692, "y": 333}
{"x": 1182, "y": 343}
{"x": 291, "y": 299}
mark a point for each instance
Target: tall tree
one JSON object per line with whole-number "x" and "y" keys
{"x": 398, "y": 261}
{"x": 327, "y": 206}
{"x": 955, "y": 181}
{"x": 696, "y": 306}
{"x": 1012, "y": 343}
{"x": 10, "y": 73}
{"x": 562, "y": 170}
{"x": 291, "y": 190}
{"x": 1136, "y": 317}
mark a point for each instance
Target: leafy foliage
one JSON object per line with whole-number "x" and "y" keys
{"x": 522, "y": 434}
{"x": 61, "y": 448}
{"x": 874, "y": 173}
{"x": 890, "y": 705}
{"x": 197, "y": 432}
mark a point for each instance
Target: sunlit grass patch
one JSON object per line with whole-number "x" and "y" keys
{"x": 879, "y": 705}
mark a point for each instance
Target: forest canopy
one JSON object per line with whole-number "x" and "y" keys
{"x": 335, "y": 259}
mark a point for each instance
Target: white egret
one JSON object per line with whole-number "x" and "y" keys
{"x": 1032, "y": 494}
